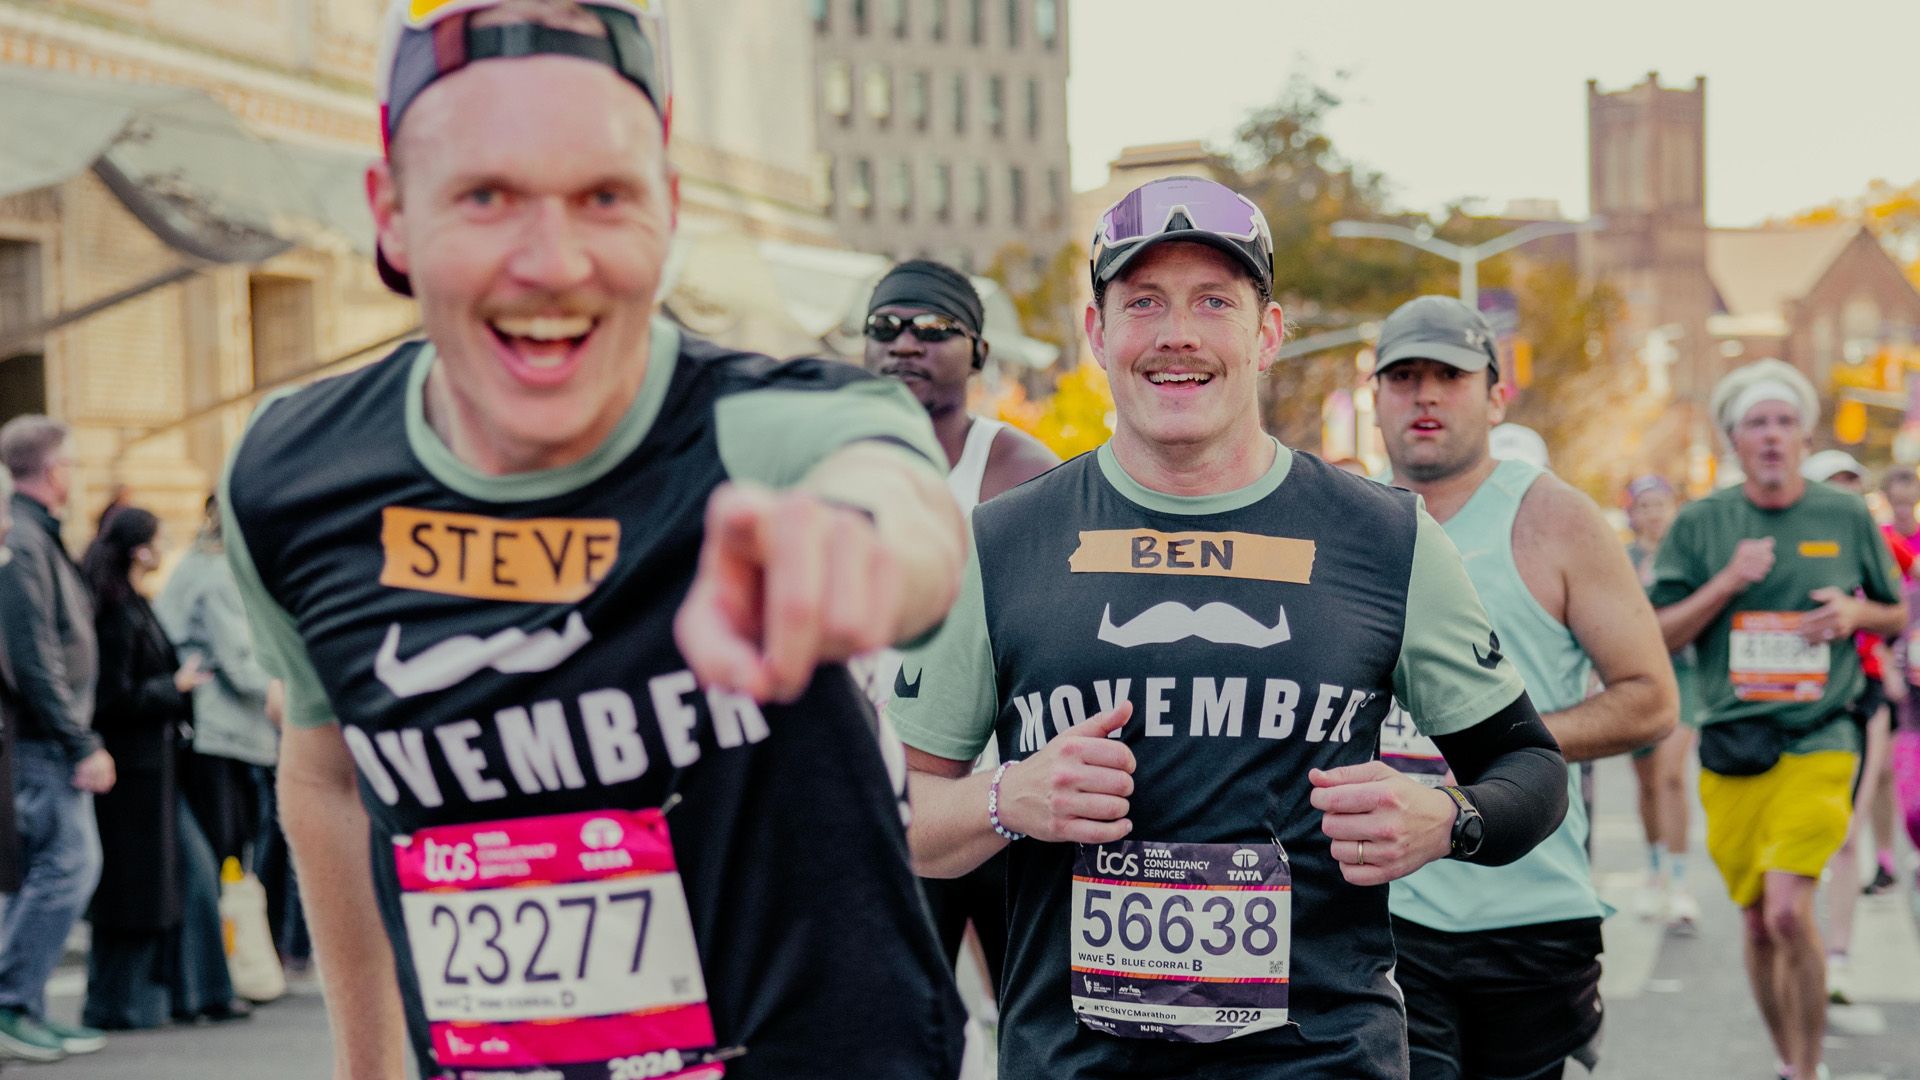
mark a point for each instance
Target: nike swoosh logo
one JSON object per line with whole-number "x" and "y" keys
{"x": 1492, "y": 658}
{"x": 904, "y": 689}
{"x": 512, "y": 651}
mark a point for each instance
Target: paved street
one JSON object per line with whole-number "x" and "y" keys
{"x": 1678, "y": 1007}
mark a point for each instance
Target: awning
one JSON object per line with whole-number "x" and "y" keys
{"x": 181, "y": 163}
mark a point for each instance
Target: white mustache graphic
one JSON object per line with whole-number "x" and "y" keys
{"x": 1171, "y": 621}
{"x": 512, "y": 651}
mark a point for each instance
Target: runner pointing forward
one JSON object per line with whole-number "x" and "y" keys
{"x": 560, "y": 596}
{"x": 1183, "y": 645}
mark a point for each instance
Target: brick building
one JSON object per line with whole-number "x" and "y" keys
{"x": 1700, "y": 301}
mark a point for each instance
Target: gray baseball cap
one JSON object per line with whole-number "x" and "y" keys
{"x": 1436, "y": 328}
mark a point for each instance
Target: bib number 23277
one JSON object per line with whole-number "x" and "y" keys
{"x": 1181, "y": 942}
{"x": 560, "y": 944}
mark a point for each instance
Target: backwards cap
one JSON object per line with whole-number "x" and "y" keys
{"x": 426, "y": 40}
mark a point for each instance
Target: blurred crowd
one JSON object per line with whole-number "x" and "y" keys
{"x": 138, "y": 736}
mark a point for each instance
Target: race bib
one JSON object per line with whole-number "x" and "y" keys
{"x": 1181, "y": 942}
{"x": 1407, "y": 750}
{"x": 1768, "y": 661}
{"x": 560, "y": 945}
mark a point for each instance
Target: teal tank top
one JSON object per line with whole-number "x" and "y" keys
{"x": 1554, "y": 881}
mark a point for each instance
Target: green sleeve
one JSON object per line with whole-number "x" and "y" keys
{"x": 1880, "y": 576}
{"x": 1440, "y": 678}
{"x": 1679, "y": 570}
{"x": 776, "y": 436}
{"x": 945, "y": 697}
{"x": 275, "y": 638}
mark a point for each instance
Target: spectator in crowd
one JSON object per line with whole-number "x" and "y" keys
{"x": 46, "y": 630}
{"x": 9, "y": 833}
{"x": 235, "y": 743}
{"x": 157, "y": 952}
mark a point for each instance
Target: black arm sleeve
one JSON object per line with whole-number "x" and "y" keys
{"x": 1511, "y": 770}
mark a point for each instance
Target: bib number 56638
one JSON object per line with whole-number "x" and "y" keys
{"x": 1218, "y": 925}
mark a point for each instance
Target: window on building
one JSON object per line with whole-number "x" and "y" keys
{"x": 878, "y": 91}
{"x": 1017, "y": 194}
{"x": 980, "y": 202}
{"x": 836, "y": 90}
{"x": 903, "y": 189}
{"x": 919, "y": 96}
{"x": 897, "y": 17}
{"x": 977, "y": 21}
{"x": 822, "y": 11}
{"x": 1860, "y": 331}
{"x": 1013, "y": 24}
{"x": 959, "y": 103}
{"x": 823, "y": 180}
{"x": 937, "y": 19}
{"x": 997, "y": 104}
{"x": 942, "y": 190}
{"x": 860, "y": 17}
{"x": 1046, "y": 21}
{"x": 283, "y": 327}
{"x": 1033, "y": 108}
{"x": 860, "y": 187}
{"x": 1056, "y": 196}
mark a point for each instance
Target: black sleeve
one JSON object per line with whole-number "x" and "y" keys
{"x": 1511, "y": 770}
{"x": 28, "y": 593}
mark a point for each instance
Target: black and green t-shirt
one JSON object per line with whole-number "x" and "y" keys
{"x": 1751, "y": 663}
{"x": 1258, "y": 634}
{"x": 500, "y": 650}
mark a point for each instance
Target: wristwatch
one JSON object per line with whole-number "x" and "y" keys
{"x": 1469, "y": 828}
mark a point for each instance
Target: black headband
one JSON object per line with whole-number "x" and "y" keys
{"x": 934, "y": 286}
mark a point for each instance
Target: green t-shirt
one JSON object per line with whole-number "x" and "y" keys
{"x": 1826, "y": 539}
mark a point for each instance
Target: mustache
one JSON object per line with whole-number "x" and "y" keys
{"x": 1171, "y": 621}
{"x": 512, "y": 651}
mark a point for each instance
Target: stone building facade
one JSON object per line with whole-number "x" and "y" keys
{"x": 159, "y": 385}
{"x": 943, "y": 126}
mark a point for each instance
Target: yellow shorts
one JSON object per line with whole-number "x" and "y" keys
{"x": 1791, "y": 818}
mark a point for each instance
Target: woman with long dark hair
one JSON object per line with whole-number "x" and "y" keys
{"x": 157, "y": 952}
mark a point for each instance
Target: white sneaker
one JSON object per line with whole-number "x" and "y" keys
{"x": 1839, "y": 981}
{"x": 1683, "y": 912}
{"x": 1651, "y": 903}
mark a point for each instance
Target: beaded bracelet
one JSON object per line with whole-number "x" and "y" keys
{"x": 993, "y": 805}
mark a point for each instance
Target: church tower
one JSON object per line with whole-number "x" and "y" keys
{"x": 1646, "y": 177}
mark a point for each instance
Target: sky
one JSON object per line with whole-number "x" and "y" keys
{"x": 1806, "y": 102}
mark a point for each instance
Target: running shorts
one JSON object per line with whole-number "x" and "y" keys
{"x": 1498, "y": 1004}
{"x": 1791, "y": 818}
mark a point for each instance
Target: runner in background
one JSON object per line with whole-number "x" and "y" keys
{"x": 1763, "y": 576}
{"x": 1872, "y": 712}
{"x": 1660, "y": 770}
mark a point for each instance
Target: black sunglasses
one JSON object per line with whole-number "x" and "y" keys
{"x": 928, "y": 327}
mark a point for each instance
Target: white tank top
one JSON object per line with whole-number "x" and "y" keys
{"x": 971, "y": 470}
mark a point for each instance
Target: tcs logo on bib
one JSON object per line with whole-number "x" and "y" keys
{"x": 449, "y": 864}
{"x": 1113, "y": 863}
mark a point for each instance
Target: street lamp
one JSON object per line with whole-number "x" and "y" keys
{"x": 1468, "y": 256}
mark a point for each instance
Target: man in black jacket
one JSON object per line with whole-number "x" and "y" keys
{"x": 46, "y": 630}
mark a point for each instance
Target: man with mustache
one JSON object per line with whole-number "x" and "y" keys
{"x": 1501, "y": 965}
{"x": 1771, "y": 579}
{"x": 924, "y": 326}
{"x": 1194, "y": 829}
{"x": 592, "y": 828}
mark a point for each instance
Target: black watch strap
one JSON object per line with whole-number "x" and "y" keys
{"x": 1469, "y": 828}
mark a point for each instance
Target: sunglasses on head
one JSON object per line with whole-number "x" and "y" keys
{"x": 928, "y": 327}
